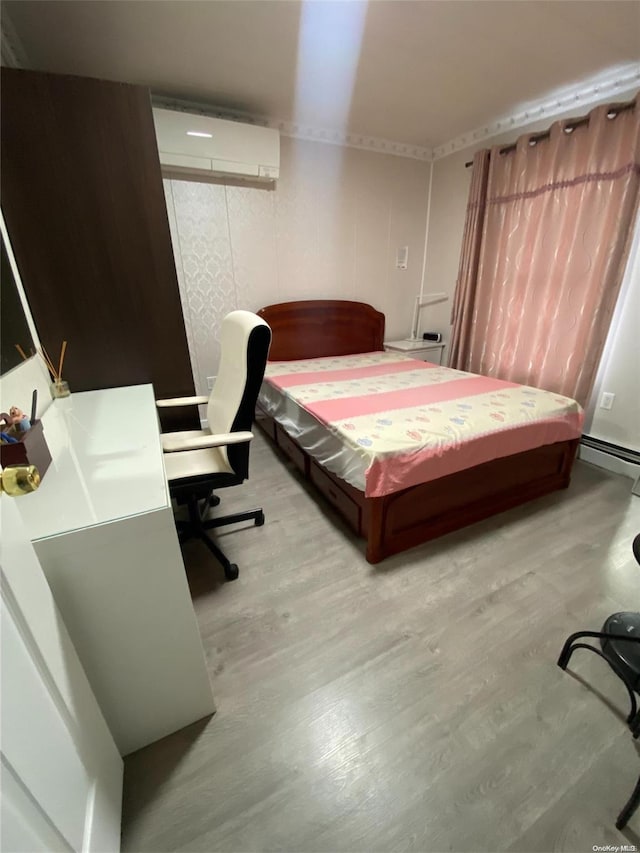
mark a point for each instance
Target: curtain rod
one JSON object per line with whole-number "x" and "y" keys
{"x": 614, "y": 109}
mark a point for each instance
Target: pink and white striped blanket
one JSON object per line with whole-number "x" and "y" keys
{"x": 412, "y": 422}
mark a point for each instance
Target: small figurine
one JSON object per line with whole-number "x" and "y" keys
{"x": 19, "y": 420}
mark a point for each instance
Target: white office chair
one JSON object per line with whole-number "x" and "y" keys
{"x": 198, "y": 462}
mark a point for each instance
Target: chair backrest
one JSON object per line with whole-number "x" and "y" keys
{"x": 244, "y": 339}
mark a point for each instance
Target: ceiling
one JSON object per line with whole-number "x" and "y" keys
{"x": 415, "y": 71}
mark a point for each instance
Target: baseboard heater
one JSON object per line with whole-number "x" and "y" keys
{"x": 624, "y": 453}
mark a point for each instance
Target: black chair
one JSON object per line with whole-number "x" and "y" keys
{"x": 620, "y": 648}
{"x": 198, "y": 462}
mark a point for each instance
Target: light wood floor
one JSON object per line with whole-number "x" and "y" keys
{"x": 415, "y": 705}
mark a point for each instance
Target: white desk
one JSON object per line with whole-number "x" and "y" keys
{"x": 102, "y": 526}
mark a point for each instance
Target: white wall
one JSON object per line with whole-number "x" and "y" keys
{"x": 448, "y": 205}
{"x": 17, "y": 385}
{"x": 619, "y": 371}
{"x": 329, "y": 229}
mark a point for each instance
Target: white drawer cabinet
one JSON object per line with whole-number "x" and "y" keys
{"x": 102, "y": 526}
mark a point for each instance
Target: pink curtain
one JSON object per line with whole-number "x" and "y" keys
{"x": 465, "y": 292}
{"x": 556, "y": 232}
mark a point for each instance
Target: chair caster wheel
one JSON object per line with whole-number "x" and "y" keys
{"x": 260, "y": 519}
{"x": 232, "y": 572}
{"x": 214, "y": 500}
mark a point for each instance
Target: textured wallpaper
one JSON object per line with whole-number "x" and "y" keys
{"x": 330, "y": 228}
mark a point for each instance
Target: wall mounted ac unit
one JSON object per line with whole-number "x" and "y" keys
{"x": 201, "y": 145}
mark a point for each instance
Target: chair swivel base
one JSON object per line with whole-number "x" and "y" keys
{"x": 197, "y": 527}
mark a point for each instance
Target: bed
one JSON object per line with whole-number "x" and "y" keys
{"x": 404, "y": 450}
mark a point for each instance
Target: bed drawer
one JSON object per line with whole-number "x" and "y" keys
{"x": 266, "y": 423}
{"x": 288, "y": 446}
{"x": 348, "y": 508}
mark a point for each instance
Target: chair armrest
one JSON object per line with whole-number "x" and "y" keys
{"x": 181, "y": 401}
{"x": 175, "y": 445}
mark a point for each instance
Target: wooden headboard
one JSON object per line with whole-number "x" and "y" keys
{"x": 322, "y": 327}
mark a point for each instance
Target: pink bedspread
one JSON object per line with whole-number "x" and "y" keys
{"x": 413, "y": 422}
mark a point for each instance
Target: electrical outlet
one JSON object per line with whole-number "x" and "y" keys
{"x": 402, "y": 258}
{"x": 606, "y": 401}
{"x": 211, "y": 381}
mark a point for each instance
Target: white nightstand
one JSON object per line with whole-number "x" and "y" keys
{"x": 422, "y": 350}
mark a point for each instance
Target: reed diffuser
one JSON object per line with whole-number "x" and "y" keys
{"x": 59, "y": 387}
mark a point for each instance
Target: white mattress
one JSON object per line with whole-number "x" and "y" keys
{"x": 384, "y": 422}
{"x": 313, "y": 437}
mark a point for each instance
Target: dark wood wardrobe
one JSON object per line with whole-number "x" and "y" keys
{"x": 84, "y": 206}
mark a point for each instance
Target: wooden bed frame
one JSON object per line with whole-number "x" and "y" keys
{"x": 401, "y": 520}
